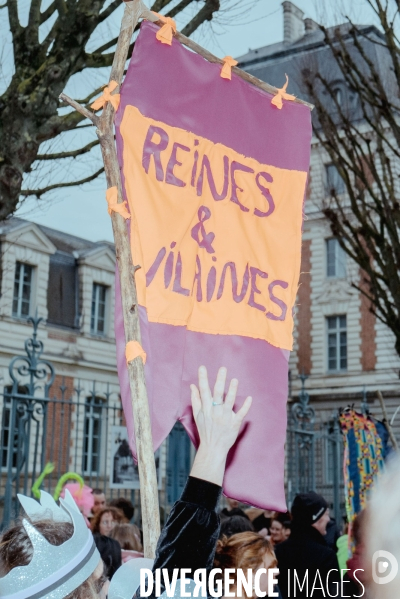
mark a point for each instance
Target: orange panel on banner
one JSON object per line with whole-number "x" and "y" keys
{"x": 217, "y": 231}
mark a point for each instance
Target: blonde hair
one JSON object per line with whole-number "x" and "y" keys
{"x": 128, "y": 536}
{"x": 245, "y": 550}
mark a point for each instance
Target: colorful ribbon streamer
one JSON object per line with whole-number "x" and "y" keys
{"x": 167, "y": 31}
{"x": 113, "y": 205}
{"x": 226, "y": 71}
{"x": 133, "y": 349}
{"x": 281, "y": 95}
{"x": 107, "y": 97}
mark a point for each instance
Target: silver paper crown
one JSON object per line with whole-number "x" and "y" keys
{"x": 54, "y": 571}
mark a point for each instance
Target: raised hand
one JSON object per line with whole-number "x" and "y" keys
{"x": 218, "y": 425}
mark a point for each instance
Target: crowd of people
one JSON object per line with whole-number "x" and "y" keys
{"x": 116, "y": 536}
{"x": 305, "y": 544}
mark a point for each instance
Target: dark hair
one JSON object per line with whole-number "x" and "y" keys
{"x": 116, "y": 514}
{"x": 125, "y": 506}
{"x": 235, "y": 524}
{"x": 237, "y": 511}
{"x": 97, "y": 492}
{"x": 110, "y": 551}
{"x": 16, "y": 550}
{"x": 283, "y": 518}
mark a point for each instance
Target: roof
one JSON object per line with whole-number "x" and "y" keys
{"x": 308, "y": 41}
{"x": 311, "y": 54}
{"x": 64, "y": 242}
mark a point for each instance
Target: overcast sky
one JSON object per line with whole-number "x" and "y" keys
{"x": 82, "y": 211}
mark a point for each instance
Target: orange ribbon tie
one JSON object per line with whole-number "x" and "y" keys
{"x": 107, "y": 97}
{"x": 166, "y": 33}
{"x": 113, "y": 205}
{"x": 281, "y": 95}
{"x": 226, "y": 71}
{"x": 133, "y": 349}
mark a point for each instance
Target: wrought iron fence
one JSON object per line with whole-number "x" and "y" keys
{"x": 47, "y": 418}
{"x": 314, "y": 453}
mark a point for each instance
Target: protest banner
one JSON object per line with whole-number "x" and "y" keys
{"x": 214, "y": 177}
{"x": 218, "y": 270}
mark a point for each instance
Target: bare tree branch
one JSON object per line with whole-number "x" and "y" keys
{"x": 39, "y": 192}
{"x": 106, "y": 46}
{"x": 86, "y": 100}
{"x": 158, "y": 5}
{"x": 204, "y": 14}
{"x": 15, "y": 25}
{"x": 32, "y": 29}
{"x": 46, "y": 14}
{"x": 178, "y": 8}
{"x": 29, "y": 106}
{"x": 83, "y": 110}
{"x": 108, "y": 11}
{"x": 363, "y": 143}
{"x": 70, "y": 154}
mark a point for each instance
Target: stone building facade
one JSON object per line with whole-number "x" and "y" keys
{"x": 69, "y": 283}
{"x": 339, "y": 344}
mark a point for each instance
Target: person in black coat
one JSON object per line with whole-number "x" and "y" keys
{"x": 307, "y": 566}
{"x": 110, "y": 551}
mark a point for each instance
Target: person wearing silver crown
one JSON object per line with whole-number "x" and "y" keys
{"x": 51, "y": 553}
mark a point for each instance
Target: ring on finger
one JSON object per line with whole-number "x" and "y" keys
{"x": 214, "y": 403}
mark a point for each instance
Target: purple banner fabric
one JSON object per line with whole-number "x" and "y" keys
{"x": 180, "y": 88}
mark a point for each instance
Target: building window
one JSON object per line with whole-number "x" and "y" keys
{"x": 11, "y": 442}
{"x": 338, "y": 95}
{"x": 335, "y": 259}
{"x": 337, "y": 343}
{"x": 22, "y": 290}
{"x": 5, "y": 438}
{"x": 334, "y": 182}
{"x": 92, "y": 436}
{"x": 98, "y": 319}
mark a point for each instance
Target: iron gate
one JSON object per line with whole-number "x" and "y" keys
{"x": 314, "y": 454}
{"x": 46, "y": 419}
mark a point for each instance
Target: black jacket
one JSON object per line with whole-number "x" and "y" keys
{"x": 303, "y": 554}
{"x": 190, "y": 535}
{"x": 110, "y": 551}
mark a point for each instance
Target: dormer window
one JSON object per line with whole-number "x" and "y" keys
{"x": 22, "y": 290}
{"x": 338, "y": 94}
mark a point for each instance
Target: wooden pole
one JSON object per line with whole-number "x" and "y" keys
{"x": 134, "y": 11}
{"x": 386, "y": 422}
{"x": 140, "y": 406}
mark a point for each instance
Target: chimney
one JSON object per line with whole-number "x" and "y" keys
{"x": 293, "y": 24}
{"x": 310, "y": 25}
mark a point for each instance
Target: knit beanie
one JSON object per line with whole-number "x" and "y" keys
{"x": 308, "y": 508}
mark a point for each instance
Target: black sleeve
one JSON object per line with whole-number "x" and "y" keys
{"x": 189, "y": 537}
